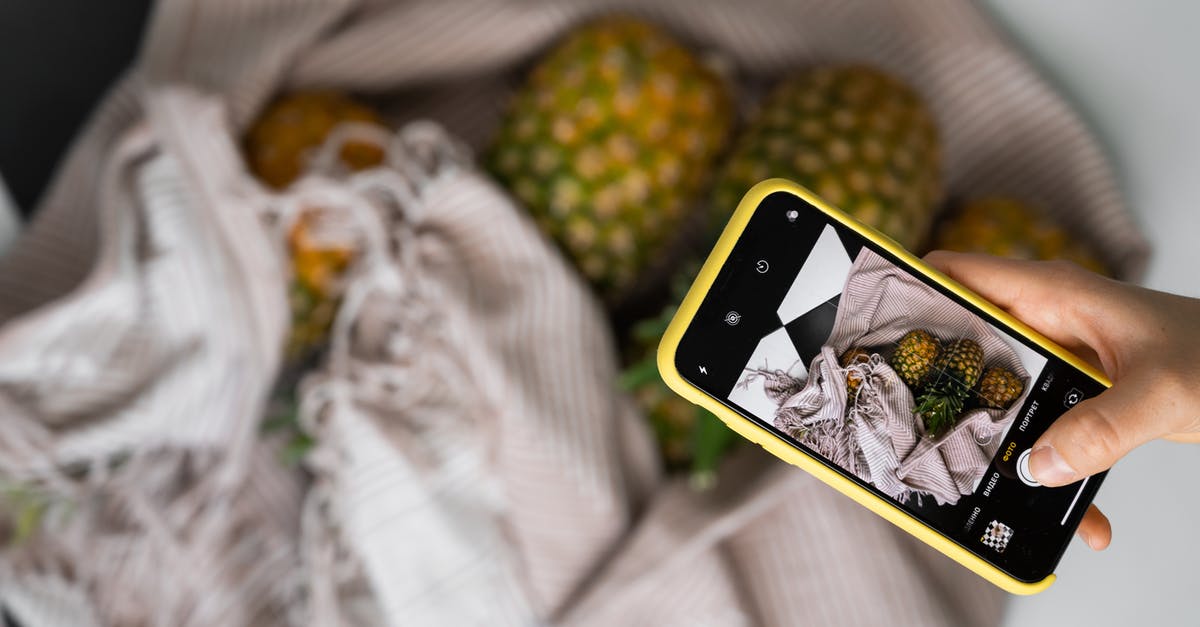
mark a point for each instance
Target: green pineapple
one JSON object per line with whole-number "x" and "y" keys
{"x": 999, "y": 387}
{"x": 915, "y": 356}
{"x": 690, "y": 438}
{"x": 955, "y": 374}
{"x": 858, "y": 138}
{"x": 608, "y": 144}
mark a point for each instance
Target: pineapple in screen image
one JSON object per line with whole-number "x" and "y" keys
{"x": 999, "y": 387}
{"x": 915, "y": 356}
{"x": 954, "y": 376}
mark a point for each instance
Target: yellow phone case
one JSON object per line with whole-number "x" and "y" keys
{"x": 785, "y": 451}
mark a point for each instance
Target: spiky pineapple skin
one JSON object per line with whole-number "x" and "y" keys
{"x": 609, "y": 143}
{"x": 955, "y": 374}
{"x": 282, "y": 139}
{"x": 859, "y": 138}
{"x": 999, "y": 387}
{"x": 960, "y": 362}
{"x": 915, "y": 356}
{"x": 1010, "y": 228}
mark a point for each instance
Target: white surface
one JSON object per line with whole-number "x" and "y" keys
{"x": 822, "y": 277}
{"x": 1032, "y": 360}
{"x": 1130, "y": 67}
{"x": 774, "y": 352}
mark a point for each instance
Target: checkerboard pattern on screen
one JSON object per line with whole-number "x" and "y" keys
{"x": 997, "y": 536}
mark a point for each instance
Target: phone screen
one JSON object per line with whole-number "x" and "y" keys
{"x": 833, "y": 344}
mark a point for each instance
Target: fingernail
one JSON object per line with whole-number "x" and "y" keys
{"x": 1093, "y": 543}
{"x": 1086, "y": 539}
{"x": 1049, "y": 468}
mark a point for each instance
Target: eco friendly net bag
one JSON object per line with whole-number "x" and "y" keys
{"x": 474, "y": 464}
{"x": 877, "y": 436}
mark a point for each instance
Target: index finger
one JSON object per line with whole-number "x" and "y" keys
{"x": 1055, "y": 297}
{"x": 1005, "y": 282}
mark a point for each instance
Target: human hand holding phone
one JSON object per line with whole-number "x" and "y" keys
{"x": 839, "y": 352}
{"x": 1145, "y": 341}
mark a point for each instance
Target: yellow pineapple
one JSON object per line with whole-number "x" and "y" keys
{"x": 1011, "y": 228}
{"x": 283, "y": 138}
{"x": 914, "y": 357}
{"x": 278, "y": 146}
{"x": 860, "y": 139}
{"x": 999, "y": 387}
{"x": 852, "y": 356}
{"x": 318, "y": 267}
{"x": 609, "y": 142}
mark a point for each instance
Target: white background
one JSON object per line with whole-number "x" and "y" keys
{"x": 1133, "y": 70}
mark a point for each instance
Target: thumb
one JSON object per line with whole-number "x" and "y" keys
{"x": 1093, "y": 435}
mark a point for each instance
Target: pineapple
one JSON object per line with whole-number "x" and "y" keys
{"x": 278, "y": 146}
{"x": 915, "y": 356}
{"x": 609, "y": 142}
{"x": 317, "y": 268}
{"x": 999, "y": 387}
{"x": 1010, "y": 228}
{"x": 955, "y": 374}
{"x": 858, "y": 138}
{"x": 672, "y": 419}
{"x": 854, "y": 355}
{"x": 690, "y": 438}
{"x": 280, "y": 141}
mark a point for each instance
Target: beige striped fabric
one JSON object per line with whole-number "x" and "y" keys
{"x": 877, "y": 436}
{"x": 474, "y": 465}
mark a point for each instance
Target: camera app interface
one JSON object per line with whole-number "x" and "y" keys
{"x": 825, "y": 340}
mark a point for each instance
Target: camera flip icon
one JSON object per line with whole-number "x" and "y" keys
{"x": 1072, "y": 398}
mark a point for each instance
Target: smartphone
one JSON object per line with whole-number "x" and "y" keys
{"x": 835, "y": 349}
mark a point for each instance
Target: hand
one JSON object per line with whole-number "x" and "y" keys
{"x": 1147, "y": 342}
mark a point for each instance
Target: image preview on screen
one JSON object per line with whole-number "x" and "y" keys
{"x": 804, "y": 315}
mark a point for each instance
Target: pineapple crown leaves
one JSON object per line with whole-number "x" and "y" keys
{"x": 649, "y": 332}
{"x": 710, "y": 437}
{"x": 27, "y": 507}
{"x": 286, "y": 422}
{"x": 644, "y": 372}
{"x": 943, "y": 398}
{"x": 939, "y": 408}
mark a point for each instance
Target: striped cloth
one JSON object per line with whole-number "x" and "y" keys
{"x": 474, "y": 464}
{"x": 877, "y": 437}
